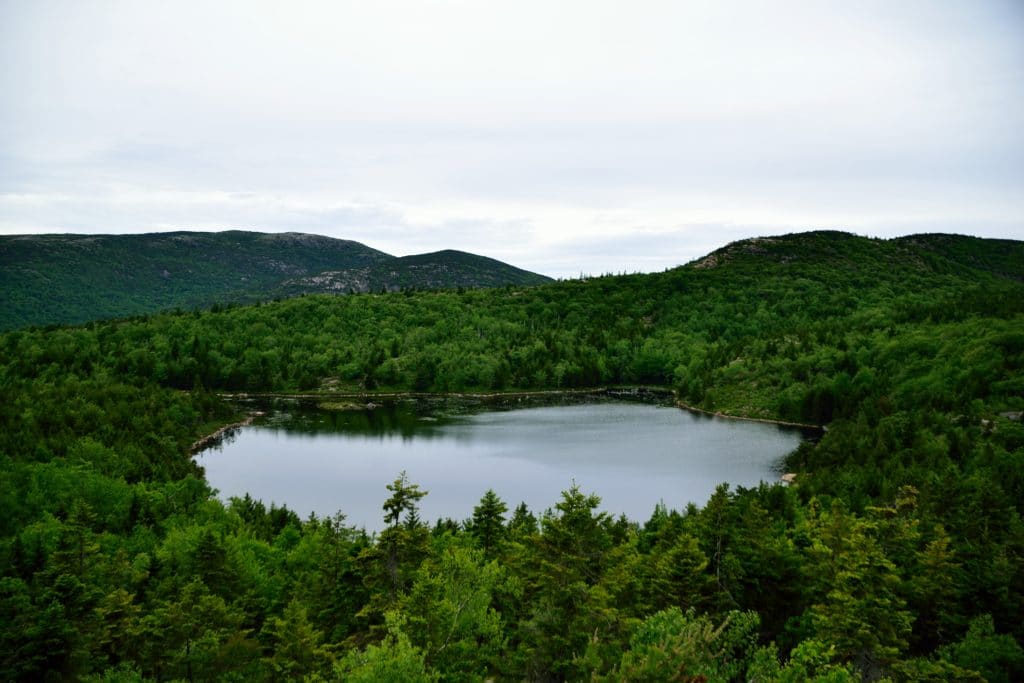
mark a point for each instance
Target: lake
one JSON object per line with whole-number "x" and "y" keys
{"x": 631, "y": 454}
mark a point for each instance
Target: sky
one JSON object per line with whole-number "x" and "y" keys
{"x": 563, "y": 137}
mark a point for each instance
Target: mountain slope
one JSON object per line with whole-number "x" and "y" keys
{"x": 938, "y": 253}
{"x": 1000, "y": 257}
{"x": 437, "y": 270}
{"x": 47, "y": 279}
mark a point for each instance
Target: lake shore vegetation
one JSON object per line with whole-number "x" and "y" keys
{"x": 897, "y": 555}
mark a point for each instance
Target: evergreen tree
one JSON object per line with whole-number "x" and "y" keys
{"x": 488, "y": 525}
{"x": 297, "y": 646}
{"x": 523, "y": 523}
{"x": 859, "y": 610}
{"x": 388, "y": 566}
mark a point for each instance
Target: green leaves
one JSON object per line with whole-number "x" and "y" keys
{"x": 404, "y": 500}
{"x": 297, "y": 647}
{"x": 394, "y": 660}
{"x": 675, "y": 646}
{"x": 113, "y": 551}
{"x": 998, "y": 657}
{"x": 858, "y": 607}
{"x": 450, "y": 615}
{"x": 488, "y": 524}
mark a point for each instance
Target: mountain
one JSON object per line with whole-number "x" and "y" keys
{"x": 999, "y": 257}
{"x": 437, "y": 270}
{"x": 935, "y": 253}
{"x": 47, "y": 279}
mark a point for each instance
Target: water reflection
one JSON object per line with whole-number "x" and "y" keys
{"x": 633, "y": 455}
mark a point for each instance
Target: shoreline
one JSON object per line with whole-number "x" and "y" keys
{"x": 624, "y": 391}
{"x": 215, "y": 436}
{"x": 370, "y": 395}
{"x": 212, "y": 438}
{"x": 783, "y": 423}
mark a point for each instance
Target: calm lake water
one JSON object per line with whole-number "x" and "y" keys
{"x": 631, "y": 454}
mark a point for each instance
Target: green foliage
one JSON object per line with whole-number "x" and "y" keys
{"x": 403, "y": 502}
{"x": 389, "y": 565}
{"x": 897, "y": 555}
{"x": 676, "y": 646}
{"x": 676, "y": 576}
{"x": 573, "y": 607}
{"x": 997, "y": 657}
{"x": 450, "y": 615}
{"x": 395, "y": 660}
{"x": 810, "y": 661}
{"x": 488, "y": 525}
{"x": 859, "y": 609}
{"x": 297, "y": 646}
{"x": 52, "y": 279}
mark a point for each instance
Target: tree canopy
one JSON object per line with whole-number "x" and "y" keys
{"x": 897, "y": 554}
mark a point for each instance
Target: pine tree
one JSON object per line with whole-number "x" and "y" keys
{"x": 298, "y": 649}
{"x": 523, "y": 523}
{"x": 389, "y": 565}
{"x": 488, "y": 525}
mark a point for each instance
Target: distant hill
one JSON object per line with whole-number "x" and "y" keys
{"x": 56, "y": 279}
{"x": 436, "y": 270}
{"x": 854, "y": 255}
{"x": 999, "y": 257}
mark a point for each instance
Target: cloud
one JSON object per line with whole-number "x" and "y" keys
{"x": 572, "y": 137}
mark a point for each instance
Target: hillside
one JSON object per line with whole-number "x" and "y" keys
{"x": 447, "y": 269}
{"x": 1000, "y": 257}
{"x": 898, "y": 555}
{"x": 47, "y": 279}
{"x": 840, "y": 251}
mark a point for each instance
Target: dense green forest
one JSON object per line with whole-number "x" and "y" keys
{"x": 54, "y": 279}
{"x": 898, "y": 554}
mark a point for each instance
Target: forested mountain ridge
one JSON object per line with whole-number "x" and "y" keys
{"x": 933, "y": 252}
{"x": 50, "y": 279}
{"x": 446, "y": 269}
{"x": 899, "y": 554}
{"x": 1001, "y": 257}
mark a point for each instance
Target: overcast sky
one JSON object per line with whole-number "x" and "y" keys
{"x": 561, "y": 136}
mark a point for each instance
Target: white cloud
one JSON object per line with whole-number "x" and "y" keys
{"x": 567, "y": 137}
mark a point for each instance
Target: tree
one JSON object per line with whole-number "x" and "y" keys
{"x": 117, "y": 632}
{"x": 297, "y": 647}
{"x": 933, "y": 590}
{"x": 674, "y": 575}
{"x": 388, "y": 566}
{"x": 811, "y": 661}
{"x": 395, "y": 660}
{"x": 998, "y": 657}
{"x": 675, "y": 646}
{"x": 403, "y": 501}
{"x": 858, "y": 609}
{"x": 523, "y": 523}
{"x": 488, "y": 525}
{"x": 197, "y": 635}
{"x": 718, "y": 531}
{"x": 34, "y": 638}
{"x": 77, "y": 541}
{"x": 336, "y": 583}
{"x": 450, "y": 615}
{"x": 569, "y": 607}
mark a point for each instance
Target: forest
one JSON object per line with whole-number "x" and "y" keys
{"x": 897, "y": 555}
{"x": 64, "y": 279}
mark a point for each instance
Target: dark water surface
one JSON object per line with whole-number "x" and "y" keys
{"x": 631, "y": 454}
